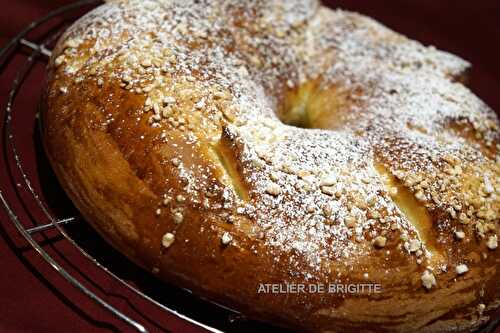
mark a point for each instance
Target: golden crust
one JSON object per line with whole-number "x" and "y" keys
{"x": 171, "y": 139}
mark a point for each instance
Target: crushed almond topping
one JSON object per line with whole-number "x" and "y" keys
{"x": 200, "y": 104}
{"x": 273, "y": 189}
{"x": 176, "y": 162}
{"x": 167, "y": 240}
{"x": 146, "y": 62}
{"x": 219, "y": 95}
{"x": 177, "y": 217}
{"x": 328, "y": 190}
{"x": 350, "y": 221}
{"x": 492, "y": 242}
{"x": 180, "y": 198}
{"x": 428, "y": 279}
{"x": 380, "y": 241}
{"x": 420, "y": 196}
{"x": 274, "y": 176}
{"x": 462, "y": 269}
{"x": 414, "y": 245}
{"x": 226, "y": 238}
{"x": 59, "y": 60}
{"x": 168, "y": 100}
{"x": 72, "y": 43}
{"x": 488, "y": 186}
{"x": 328, "y": 180}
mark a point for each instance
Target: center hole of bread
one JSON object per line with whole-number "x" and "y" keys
{"x": 295, "y": 108}
{"x": 308, "y": 106}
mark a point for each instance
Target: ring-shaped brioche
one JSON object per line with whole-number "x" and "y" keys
{"x": 227, "y": 145}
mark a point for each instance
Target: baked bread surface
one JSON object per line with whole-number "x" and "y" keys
{"x": 227, "y": 145}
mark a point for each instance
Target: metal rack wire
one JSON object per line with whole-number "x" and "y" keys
{"x": 21, "y": 183}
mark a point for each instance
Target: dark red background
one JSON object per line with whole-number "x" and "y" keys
{"x": 34, "y": 299}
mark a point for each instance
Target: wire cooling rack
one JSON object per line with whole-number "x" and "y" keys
{"x": 34, "y": 209}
